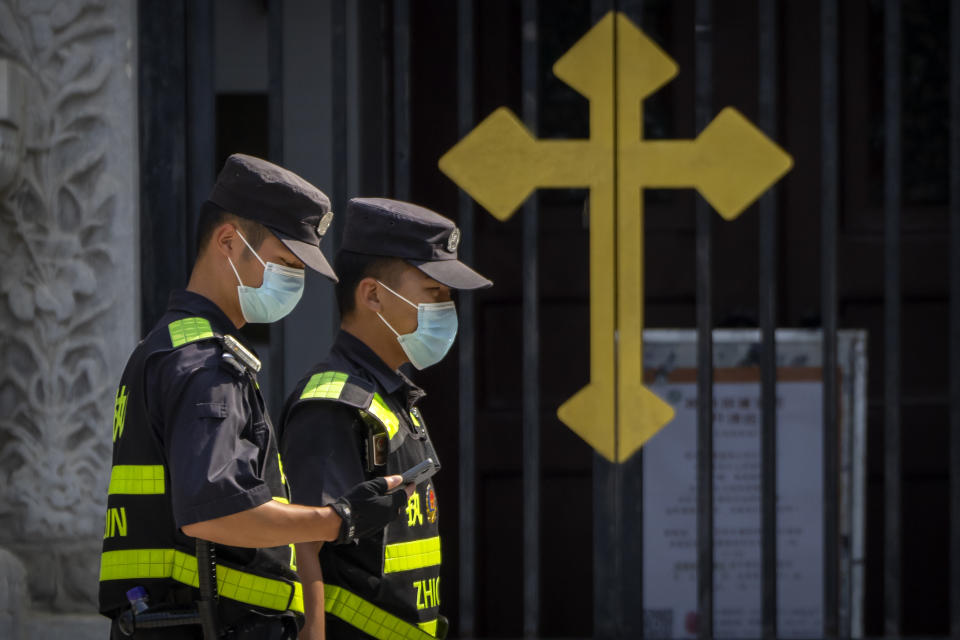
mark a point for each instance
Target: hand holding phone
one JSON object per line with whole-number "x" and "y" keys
{"x": 417, "y": 473}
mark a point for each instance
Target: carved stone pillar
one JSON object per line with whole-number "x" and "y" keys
{"x": 69, "y": 298}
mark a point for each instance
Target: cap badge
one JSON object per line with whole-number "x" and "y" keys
{"x": 454, "y": 240}
{"x": 324, "y": 223}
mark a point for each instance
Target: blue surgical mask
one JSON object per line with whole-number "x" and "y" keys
{"x": 436, "y": 330}
{"x": 276, "y": 297}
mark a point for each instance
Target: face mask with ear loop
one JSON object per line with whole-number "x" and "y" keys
{"x": 280, "y": 292}
{"x": 435, "y": 333}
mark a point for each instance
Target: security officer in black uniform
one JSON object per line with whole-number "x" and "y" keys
{"x": 354, "y": 417}
{"x": 195, "y": 457}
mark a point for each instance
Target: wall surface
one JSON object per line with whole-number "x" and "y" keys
{"x": 69, "y": 300}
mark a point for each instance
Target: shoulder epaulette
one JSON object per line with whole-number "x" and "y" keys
{"x": 341, "y": 387}
{"x": 353, "y": 392}
{"x": 189, "y": 330}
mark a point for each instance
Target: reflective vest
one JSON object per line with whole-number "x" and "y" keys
{"x": 386, "y": 586}
{"x": 142, "y": 546}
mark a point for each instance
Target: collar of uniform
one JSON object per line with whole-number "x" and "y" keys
{"x": 414, "y": 393}
{"x": 364, "y": 357}
{"x": 197, "y": 305}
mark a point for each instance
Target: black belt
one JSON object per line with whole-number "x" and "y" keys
{"x": 261, "y": 627}
{"x": 169, "y": 622}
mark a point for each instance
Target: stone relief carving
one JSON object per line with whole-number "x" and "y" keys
{"x": 13, "y": 595}
{"x": 13, "y": 113}
{"x": 64, "y": 311}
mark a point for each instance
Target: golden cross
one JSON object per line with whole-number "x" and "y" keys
{"x": 731, "y": 163}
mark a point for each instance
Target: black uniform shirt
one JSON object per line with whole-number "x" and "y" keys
{"x": 322, "y": 442}
{"x": 214, "y": 439}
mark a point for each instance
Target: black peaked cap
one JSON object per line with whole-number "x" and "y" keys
{"x": 424, "y": 238}
{"x": 293, "y": 209}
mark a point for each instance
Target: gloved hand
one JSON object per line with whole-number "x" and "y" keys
{"x": 366, "y": 509}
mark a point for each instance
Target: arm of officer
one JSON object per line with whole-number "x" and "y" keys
{"x": 321, "y": 456}
{"x": 274, "y": 524}
{"x": 311, "y": 577}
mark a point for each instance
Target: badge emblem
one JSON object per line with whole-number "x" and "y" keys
{"x": 324, "y": 223}
{"x": 431, "y": 504}
{"x": 454, "y": 240}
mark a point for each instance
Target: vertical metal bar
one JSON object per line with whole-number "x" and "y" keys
{"x": 401, "y": 99}
{"x": 275, "y": 150}
{"x": 703, "y": 62}
{"x": 162, "y": 121}
{"x": 466, "y": 74}
{"x": 608, "y": 617}
{"x": 200, "y": 119}
{"x": 530, "y": 60}
{"x": 338, "y": 122}
{"x": 767, "y": 98}
{"x": 955, "y": 320}
{"x": 630, "y": 472}
{"x": 386, "y": 94}
{"x": 275, "y": 79}
{"x": 829, "y": 105}
{"x": 891, "y": 319}
{"x": 607, "y": 575}
{"x": 338, "y": 109}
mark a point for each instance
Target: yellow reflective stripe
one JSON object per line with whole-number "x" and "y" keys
{"x": 256, "y": 590}
{"x": 327, "y": 384}
{"x": 297, "y": 603}
{"x": 367, "y": 617}
{"x": 136, "y": 479}
{"x": 231, "y": 583}
{"x": 413, "y": 416}
{"x": 234, "y": 584}
{"x": 283, "y": 476}
{"x": 429, "y": 626}
{"x": 416, "y": 554}
{"x": 189, "y": 330}
{"x": 379, "y": 409}
{"x": 281, "y": 500}
{"x": 136, "y": 563}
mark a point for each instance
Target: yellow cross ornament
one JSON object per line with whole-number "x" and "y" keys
{"x": 731, "y": 163}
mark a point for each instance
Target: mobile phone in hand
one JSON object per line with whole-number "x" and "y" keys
{"x": 417, "y": 473}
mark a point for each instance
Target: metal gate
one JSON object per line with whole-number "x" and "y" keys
{"x": 377, "y": 59}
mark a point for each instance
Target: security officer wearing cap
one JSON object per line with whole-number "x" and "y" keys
{"x": 354, "y": 417}
{"x": 199, "y": 529}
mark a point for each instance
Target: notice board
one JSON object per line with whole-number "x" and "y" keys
{"x": 669, "y": 485}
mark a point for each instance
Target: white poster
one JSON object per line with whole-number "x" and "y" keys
{"x": 669, "y": 505}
